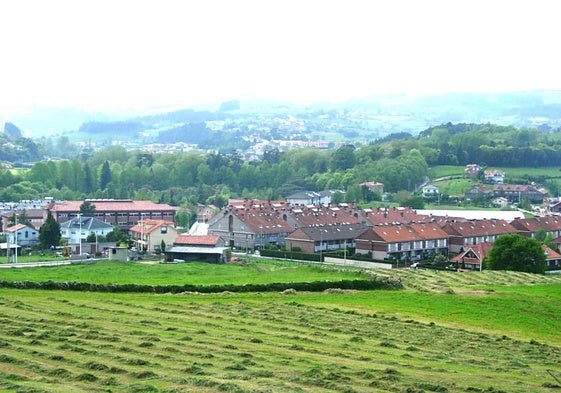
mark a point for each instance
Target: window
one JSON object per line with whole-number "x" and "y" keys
{"x": 164, "y": 229}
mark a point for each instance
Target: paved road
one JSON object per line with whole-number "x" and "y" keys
{"x": 51, "y": 263}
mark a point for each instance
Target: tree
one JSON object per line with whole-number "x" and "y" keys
{"x": 105, "y": 175}
{"x": 515, "y": 252}
{"x": 49, "y": 233}
{"x": 87, "y": 209}
{"x": 117, "y": 236}
{"x": 162, "y": 246}
{"x": 343, "y": 158}
{"x": 21, "y": 219}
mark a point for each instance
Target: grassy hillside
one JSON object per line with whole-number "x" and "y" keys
{"x": 445, "y": 332}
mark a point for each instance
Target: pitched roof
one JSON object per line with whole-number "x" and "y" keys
{"x": 536, "y": 223}
{"x": 479, "y": 251}
{"x": 15, "y": 228}
{"x": 328, "y": 232}
{"x": 550, "y": 254}
{"x": 196, "y": 240}
{"x": 86, "y": 223}
{"x": 409, "y": 232}
{"x": 518, "y": 188}
{"x": 473, "y": 228}
{"x": 399, "y": 215}
{"x": 149, "y": 225}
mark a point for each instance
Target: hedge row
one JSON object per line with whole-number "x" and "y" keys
{"x": 316, "y": 286}
{"x": 285, "y": 254}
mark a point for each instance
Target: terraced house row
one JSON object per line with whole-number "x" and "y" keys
{"x": 383, "y": 233}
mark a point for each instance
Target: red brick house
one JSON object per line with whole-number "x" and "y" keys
{"x": 124, "y": 213}
{"x": 463, "y": 234}
{"x": 473, "y": 256}
{"x": 402, "y": 242}
{"x": 529, "y": 226}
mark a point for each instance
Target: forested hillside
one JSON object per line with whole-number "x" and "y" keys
{"x": 187, "y": 178}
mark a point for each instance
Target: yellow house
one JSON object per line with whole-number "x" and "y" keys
{"x": 148, "y": 234}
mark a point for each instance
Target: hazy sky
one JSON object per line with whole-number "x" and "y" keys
{"x": 128, "y": 55}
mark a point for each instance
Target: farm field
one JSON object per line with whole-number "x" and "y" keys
{"x": 444, "y": 332}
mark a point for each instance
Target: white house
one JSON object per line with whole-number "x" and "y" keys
{"x": 430, "y": 191}
{"x": 78, "y": 229}
{"x": 22, "y": 235}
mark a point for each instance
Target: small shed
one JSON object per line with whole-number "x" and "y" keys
{"x": 197, "y": 253}
{"x": 118, "y": 254}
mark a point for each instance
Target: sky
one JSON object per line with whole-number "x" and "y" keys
{"x": 122, "y": 55}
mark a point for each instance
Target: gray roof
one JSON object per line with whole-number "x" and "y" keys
{"x": 87, "y": 223}
{"x": 333, "y": 232}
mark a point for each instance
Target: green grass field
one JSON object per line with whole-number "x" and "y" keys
{"x": 439, "y": 171}
{"x": 444, "y": 332}
{"x": 111, "y": 272}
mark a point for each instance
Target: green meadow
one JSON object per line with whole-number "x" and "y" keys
{"x": 444, "y": 332}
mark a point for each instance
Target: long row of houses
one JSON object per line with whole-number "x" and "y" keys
{"x": 399, "y": 234}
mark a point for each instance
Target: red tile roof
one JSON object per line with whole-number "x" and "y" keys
{"x": 196, "y": 240}
{"x": 480, "y": 251}
{"x": 401, "y": 215}
{"x": 15, "y": 228}
{"x": 149, "y": 225}
{"x": 478, "y": 228}
{"x": 533, "y": 224}
{"x": 112, "y": 205}
{"x": 411, "y": 232}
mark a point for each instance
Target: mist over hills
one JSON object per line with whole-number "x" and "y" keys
{"x": 367, "y": 118}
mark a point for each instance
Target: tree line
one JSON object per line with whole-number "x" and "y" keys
{"x": 188, "y": 178}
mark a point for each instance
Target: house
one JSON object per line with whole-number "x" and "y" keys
{"x": 148, "y": 234}
{"x": 472, "y": 170}
{"x": 324, "y": 215}
{"x": 500, "y": 202}
{"x": 473, "y": 257}
{"x": 312, "y": 197}
{"x": 553, "y": 258}
{"x": 77, "y": 230}
{"x": 316, "y": 239}
{"x": 478, "y": 191}
{"x": 408, "y": 242}
{"x": 529, "y": 226}
{"x": 22, "y": 235}
{"x": 463, "y": 234}
{"x": 518, "y": 192}
{"x": 555, "y": 207}
{"x": 494, "y": 176}
{"x": 430, "y": 191}
{"x": 124, "y": 213}
{"x": 252, "y": 224}
{"x": 373, "y": 186}
{"x": 304, "y": 198}
{"x": 205, "y": 248}
{"x": 36, "y": 217}
{"x": 206, "y": 212}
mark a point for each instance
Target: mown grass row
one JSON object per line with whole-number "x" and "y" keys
{"x": 71, "y": 341}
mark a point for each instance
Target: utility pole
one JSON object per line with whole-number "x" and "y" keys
{"x": 80, "y": 234}
{"x": 16, "y": 254}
